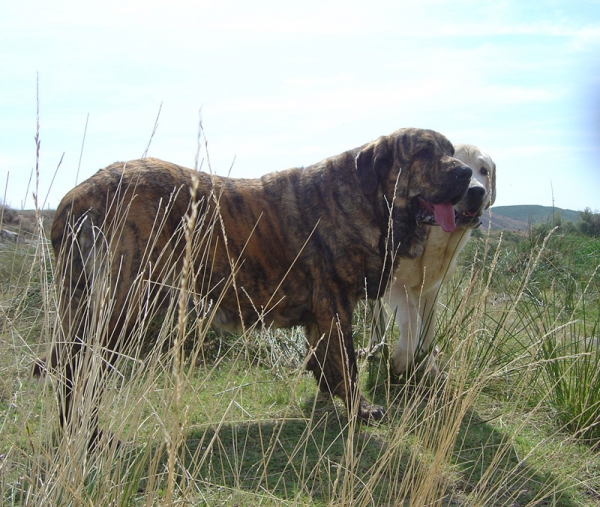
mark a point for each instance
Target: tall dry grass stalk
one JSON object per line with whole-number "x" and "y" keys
{"x": 174, "y": 440}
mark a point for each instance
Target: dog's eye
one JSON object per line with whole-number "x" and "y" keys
{"x": 483, "y": 171}
{"x": 425, "y": 150}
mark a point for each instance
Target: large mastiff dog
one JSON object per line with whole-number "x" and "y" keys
{"x": 414, "y": 293}
{"x": 294, "y": 248}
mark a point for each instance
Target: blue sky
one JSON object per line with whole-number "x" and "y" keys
{"x": 285, "y": 84}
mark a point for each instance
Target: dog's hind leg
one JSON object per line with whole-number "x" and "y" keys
{"x": 89, "y": 321}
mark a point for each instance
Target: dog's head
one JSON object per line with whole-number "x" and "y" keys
{"x": 482, "y": 188}
{"x": 415, "y": 170}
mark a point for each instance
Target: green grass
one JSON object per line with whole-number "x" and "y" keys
{"x": 237, "y": 421}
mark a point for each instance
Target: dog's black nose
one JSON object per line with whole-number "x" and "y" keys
{"x": 476, "y": 192}
{"x": 463, "y": 173}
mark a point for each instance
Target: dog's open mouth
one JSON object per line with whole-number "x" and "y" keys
{"x": 445, "y": 215}
{"x": 470, "y": 219}
{"x": 436, "y": 214}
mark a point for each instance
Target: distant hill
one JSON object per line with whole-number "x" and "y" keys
{"x": 519, "y": 218}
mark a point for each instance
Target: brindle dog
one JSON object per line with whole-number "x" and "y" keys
{"x": 298, "y": 247}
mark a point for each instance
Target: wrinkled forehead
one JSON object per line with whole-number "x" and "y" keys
{"x": 445, "y": 145}
{"x": 416, "y": 141}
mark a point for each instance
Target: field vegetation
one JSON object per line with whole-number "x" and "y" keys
{"x": 198, "y": 418}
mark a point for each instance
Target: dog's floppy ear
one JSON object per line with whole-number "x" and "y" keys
{"x": 372, "y": 162}
{"x": 493, "y": 185}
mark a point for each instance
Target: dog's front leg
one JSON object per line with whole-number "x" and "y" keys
{"x": 404, "y": 303}
{"x": 415, "y": 317}
{"x": 333, "y": 363}
{"x": 428, "y": 318}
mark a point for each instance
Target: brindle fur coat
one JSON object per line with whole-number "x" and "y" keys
{"x": 298, "y": 247}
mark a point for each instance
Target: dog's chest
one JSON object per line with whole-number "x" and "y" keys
{"x": 437, "y": 262}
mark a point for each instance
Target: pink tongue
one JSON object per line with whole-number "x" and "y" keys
{"x": 444, "y": 215}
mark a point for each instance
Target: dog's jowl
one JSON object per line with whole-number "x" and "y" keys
{"x": 298, "y": 247}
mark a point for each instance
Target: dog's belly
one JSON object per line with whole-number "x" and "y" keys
{"x": 287, "y": 308}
